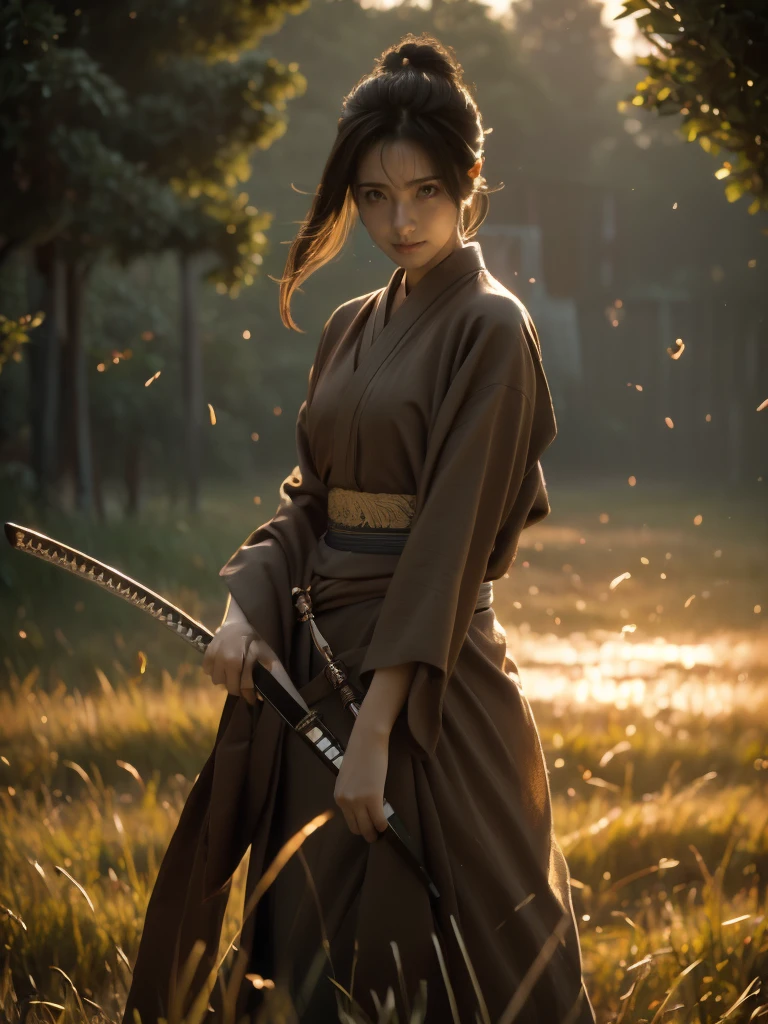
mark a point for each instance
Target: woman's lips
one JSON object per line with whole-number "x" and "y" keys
{"x": 408, "y": 248}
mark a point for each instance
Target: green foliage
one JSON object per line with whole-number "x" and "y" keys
{"x": 711, "y": 66}
{"x": 14, "y": 334}
{"x": 135, "y": 373}
{"x": 130, "y": 127}
{"x": 126, "y": 129}
{"x": 133, "y": 363}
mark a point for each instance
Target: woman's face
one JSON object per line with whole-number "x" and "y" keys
{"x": 408, "y": 205}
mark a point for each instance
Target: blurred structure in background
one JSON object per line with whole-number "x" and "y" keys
{"x": 513, "y": 255}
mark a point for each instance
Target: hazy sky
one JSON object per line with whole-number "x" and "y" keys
{"x": 627, "y": 40}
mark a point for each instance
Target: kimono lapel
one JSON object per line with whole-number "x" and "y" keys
{"x": 381, "y": 341}
{"x": 375, "y": 322}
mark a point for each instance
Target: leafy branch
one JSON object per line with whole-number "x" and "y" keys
{"x": 711, "y": 66}
{"x": 14, "y": 334}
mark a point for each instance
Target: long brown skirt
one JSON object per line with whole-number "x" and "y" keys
{"x": 340, "y": 889}
{"x": 314, "y": 908}
{"x": 479, "y": 812}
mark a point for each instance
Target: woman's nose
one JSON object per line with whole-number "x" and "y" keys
{"x": 403, "y": 217}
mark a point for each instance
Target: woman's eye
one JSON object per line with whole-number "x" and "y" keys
{"x": 372, "y": 194}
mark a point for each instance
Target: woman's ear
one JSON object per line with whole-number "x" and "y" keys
{"x": 476, "y": 167}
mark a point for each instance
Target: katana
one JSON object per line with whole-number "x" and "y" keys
{"x": 273, "y": 684}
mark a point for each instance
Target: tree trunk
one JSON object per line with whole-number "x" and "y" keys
{"x": 78, "y": 404}
{"x": 192, "y": 379}
{"x": 132, "y": 469}
{"x": 45, "y": 291}
{"x": 98, "y": 484}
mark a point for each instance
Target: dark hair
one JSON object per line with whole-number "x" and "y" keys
{"x": 415, "y": 92}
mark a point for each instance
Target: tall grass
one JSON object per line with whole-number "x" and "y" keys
{"x": 661, "y": 810}
{"x": 92, "y": 786}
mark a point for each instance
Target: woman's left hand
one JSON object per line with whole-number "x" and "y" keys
{"x": 359, "y": 788}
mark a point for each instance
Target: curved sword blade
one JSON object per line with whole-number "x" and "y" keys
{"x": 160, "y": 608}
{"x": 274, "y": 683}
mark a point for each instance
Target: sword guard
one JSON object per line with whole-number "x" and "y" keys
{"x": 336, "y": 673}
{"x": 307, "y": 721}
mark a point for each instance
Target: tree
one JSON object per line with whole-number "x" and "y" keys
{"x": 568, "y": 52}
{"x": 568, "y": 47}
{"x": 711, "y": 67}
{"x": 128, "y": 128}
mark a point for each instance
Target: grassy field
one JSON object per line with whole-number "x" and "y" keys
{"x": 639, "y": 632}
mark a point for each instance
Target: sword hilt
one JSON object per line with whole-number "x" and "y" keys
{"x": 330, "y": 750}
{"x": 336, "y": 672}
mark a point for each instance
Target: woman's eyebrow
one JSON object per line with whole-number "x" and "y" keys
{"x": 416, "y": 181}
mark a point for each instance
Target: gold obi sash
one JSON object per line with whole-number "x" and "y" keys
{"x": 377, "y": 523}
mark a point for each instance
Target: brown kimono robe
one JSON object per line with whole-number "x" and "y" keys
{"x": 446, "y": 400}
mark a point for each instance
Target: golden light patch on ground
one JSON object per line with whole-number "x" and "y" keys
{"x": 712, "y": 676}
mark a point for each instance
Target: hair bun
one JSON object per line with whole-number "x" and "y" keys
{"x": 420, "y": 57}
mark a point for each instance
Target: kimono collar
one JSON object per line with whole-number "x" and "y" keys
{"x": 379, "y": 342}
{"x": 464, "y": 260}
{"x": 459, "y": 263}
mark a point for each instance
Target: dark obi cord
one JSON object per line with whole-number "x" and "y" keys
{"x": 371, "y": 540}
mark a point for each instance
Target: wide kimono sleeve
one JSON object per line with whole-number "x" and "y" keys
{"x": 273, "y": 559}
{"x": 482, "y": 484}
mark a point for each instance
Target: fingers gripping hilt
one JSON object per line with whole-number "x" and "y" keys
{"x": 335, "y": 671}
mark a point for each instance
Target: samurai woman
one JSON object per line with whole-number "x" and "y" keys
{"x": 419, "y": 446}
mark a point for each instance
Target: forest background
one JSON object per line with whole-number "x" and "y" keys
{"x": 160, "y": 174}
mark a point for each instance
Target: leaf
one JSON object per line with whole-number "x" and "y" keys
{"x": 695, "y": 127}
{"x": 631, "y": 7}
{"x": 659, "y": 22}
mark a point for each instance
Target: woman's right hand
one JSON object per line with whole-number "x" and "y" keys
{"x": 230, "y": 657}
